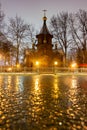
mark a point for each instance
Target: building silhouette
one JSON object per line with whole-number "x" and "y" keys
{"x": 44, "y": 52}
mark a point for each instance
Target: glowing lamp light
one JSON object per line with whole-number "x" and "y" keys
{"x": 37, "y": 63}
{"x": 9, "y": 69}
{"x": 74, "y": 65}
{"x": 18, "y": 65}
{"x": 55, "y": 63}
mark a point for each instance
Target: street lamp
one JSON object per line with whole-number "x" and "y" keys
{"x": 74, "y": 66}
{"x": 18, "y": 67}
{"x": 37, "y": 65}
{"x": 55, "y": 64}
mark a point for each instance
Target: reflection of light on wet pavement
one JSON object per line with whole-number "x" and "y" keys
{"x": 55, "y": 92}
{"x": 37, "y": 84}
{"x": 73, "y": 91}
{"x": 9, "y": 81}
{"x": 37, "y": 89}
{"x": 1, "y": 80}
{"x": 19, "y": 84}
{"x": 74, "y": 106}
{"x": 36, "y": 100}
{"x": 45, "y": 102}
{"x": 83, "y": 83}
{"x": 74, "y": 82}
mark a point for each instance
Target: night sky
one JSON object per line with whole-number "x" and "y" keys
{"x": 31, "y": 10}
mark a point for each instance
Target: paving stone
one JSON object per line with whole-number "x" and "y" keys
{"x": 49, "y": 105}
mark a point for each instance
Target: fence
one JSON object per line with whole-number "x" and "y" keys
{"x": 43, "y": 69}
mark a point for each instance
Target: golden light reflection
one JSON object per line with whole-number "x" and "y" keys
{"x": 37, "y": 84}
{"x": 37, "y": 95}
{"x": 19, "y": 84}
{"x": 1, "y": 80}
{"x": 73, "y": 91}
{"x": 74, "y": 82}
{"x": 56, "y": 88}
{"x": 9, "y": 81}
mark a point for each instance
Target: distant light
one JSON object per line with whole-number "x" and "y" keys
{"x": 55, "y": 63}
{"x": 83, "y": 65}
{"x": 18, "y": 65}
{"x": 9, "y": 69}
{"x": 37, "y": 63}
{"x": 74, "y": 65}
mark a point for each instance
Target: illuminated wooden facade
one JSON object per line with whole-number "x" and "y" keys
{"x": 44, "y": 52}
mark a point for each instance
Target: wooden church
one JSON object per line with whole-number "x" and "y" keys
{"x": 44, "y": 53}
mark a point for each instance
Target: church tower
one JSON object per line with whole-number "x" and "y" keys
{"x": 43, "y": 52}
{"x": 44, "y": 45}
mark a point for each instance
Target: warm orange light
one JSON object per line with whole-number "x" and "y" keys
{"x": 0, "y": 56}
{"x": 18, "y": 65}
{"x": 37, "y": 63}
{"x": 55, "y": 63}
{"x": 74, "y": 65}
{"x": 9, "y": 69}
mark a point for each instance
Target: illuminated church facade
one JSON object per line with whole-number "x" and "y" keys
{"x": 43, "y": 53}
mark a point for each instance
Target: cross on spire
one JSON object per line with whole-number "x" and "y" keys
{"x": 44, "y": 12}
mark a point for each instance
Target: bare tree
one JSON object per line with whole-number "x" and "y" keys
{"x": 2, "y": 15}
{"x": 78, "y": 25}
{"x": 18, "y": 33}
{"x": 60, "y": 30}
{"x": 31, "y": 33}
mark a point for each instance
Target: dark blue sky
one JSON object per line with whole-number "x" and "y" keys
{"x": 31, "y": 10}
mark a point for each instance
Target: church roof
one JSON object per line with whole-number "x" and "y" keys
{"x": 44, "y": 29}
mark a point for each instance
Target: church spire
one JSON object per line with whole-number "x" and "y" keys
{"x": 44, "y": 18}
{"x": 44, "y": 29}
{"x": 44, "y": 12}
